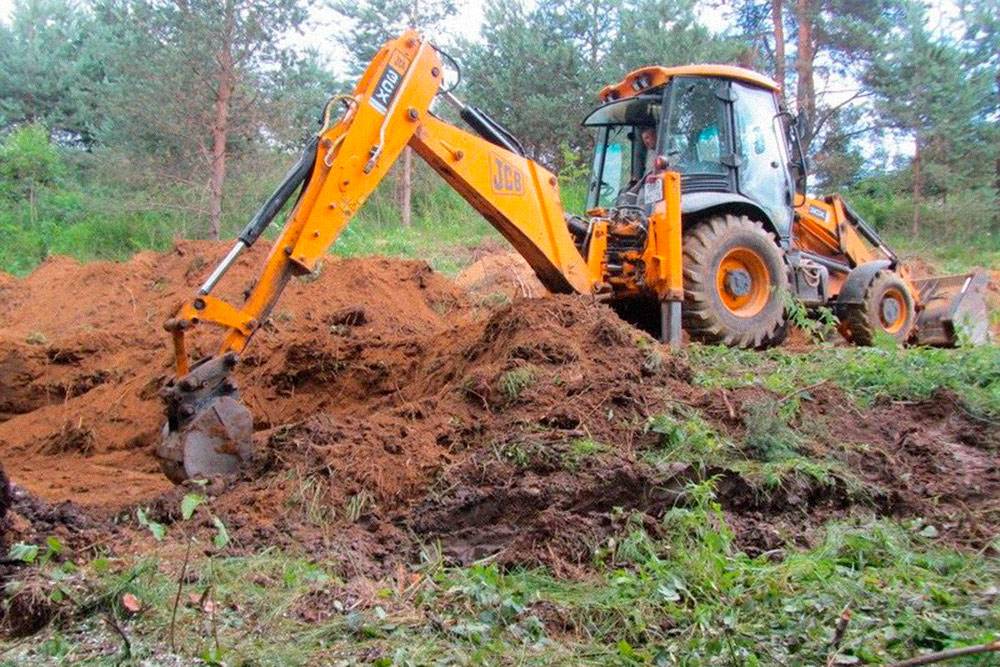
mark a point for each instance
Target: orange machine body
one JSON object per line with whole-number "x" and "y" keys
{"x": 823, "y": 226}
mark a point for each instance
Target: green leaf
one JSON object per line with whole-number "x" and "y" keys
{"x": 213, "y": 655}
{"x": 23, "y": 552}
{"x": 190, "y": 503}
{"x": 158, "y": 530}
{"x": 221, "y": 538}
{"x": 668, "y": 593}
{"x": 55, "y": 546}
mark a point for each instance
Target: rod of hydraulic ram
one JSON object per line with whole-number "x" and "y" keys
{"x": 265, "y": 215}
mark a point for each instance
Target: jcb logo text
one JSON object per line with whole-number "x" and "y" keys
{"x": 505, "y": 177}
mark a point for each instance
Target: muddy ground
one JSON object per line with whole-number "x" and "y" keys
{"x": 396, "y": 409}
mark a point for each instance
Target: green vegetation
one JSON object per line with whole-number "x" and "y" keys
{"x": 690, "y": 598}
{"x": 110, "y": 142}
{"x": 868, "y": 374}
{"x": 511, "y": 383}
{"x": 81, "y": 217}
{"x": 445, "y": 231}
{"x": 770, "y": 454}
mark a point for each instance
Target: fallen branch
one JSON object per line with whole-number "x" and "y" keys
{"x": 729, "y": 406}
{"x": 110, "y": 619}
{"x": 838, "y": 635}
{"x": 950, "y": 654}
{"x": 801, "y": 391}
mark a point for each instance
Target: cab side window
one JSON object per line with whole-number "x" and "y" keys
{"x": 613, "y": 165}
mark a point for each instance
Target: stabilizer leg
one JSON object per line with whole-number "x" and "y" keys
{"x": 670, "y": 323}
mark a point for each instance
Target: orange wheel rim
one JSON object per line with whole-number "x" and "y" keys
{"x": 743, "y": 282}
{"x": 893, "y": 310}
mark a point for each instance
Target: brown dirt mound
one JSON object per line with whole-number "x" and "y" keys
{"x": 82, "y": 356}
{"x": 501, "y": 275}
{"x": 522, "y": 383}
{"x": 395, "y": 412}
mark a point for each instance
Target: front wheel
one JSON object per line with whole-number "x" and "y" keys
{"x": 734, "y": 279}
{"x": 887, "y": 307}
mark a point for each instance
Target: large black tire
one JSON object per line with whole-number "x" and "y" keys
{"x": 734, "y": 279}
{"x": 887, "y": 306}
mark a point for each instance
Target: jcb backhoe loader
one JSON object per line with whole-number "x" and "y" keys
{"x": 702, "y": 224}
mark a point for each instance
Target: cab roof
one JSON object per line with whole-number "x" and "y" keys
{"x": 644, "y": 78}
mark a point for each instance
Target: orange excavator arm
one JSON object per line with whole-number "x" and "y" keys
{"x": 388, "y": 110}
{"x": 208, "y": 430}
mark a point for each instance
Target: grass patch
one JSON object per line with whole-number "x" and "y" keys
{"x": 769, "y": 437}
{"x": 512, "y": 383}
{"x": 867, "y": 374}
{"x": 688, "y": 598}
{"x": 685, "y": 436}
{"x": 581, "y": 450}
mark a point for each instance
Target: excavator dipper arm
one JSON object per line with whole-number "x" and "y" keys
{"x": 208, "y": 431}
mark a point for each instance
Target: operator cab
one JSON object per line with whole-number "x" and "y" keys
{"x": 721, "y": 127}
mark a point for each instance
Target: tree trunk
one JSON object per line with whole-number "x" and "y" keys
{"x": 217, "y": 175}
{"x": 406, "y": 187}
{"x": 996, "y": 193}
{"x": 32, "y": 207}
{"x": 220, "y": 126}
{"x": 918, "y": 186}
{"x": 806, "y": 88}
{"x": 996, "y": 170}
{"x": 779, "y": 43}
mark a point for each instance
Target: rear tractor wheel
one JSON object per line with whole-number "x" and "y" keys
{"x": 734, "y": 277}
{"x": 887, "y": 306}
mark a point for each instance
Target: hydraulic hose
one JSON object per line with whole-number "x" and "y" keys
{"x": 293, "y": 179}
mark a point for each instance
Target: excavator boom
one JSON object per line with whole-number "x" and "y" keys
{"x": 208, "y": 430}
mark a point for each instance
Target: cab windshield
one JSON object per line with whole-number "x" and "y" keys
{"x": 620, "y": 155}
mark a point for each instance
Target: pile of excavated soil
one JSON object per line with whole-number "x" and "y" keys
{"x": 396, "y": 413}
{"x": 500, "y": 276}
{"x": 83, "y": 355}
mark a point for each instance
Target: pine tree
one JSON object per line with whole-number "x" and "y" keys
{"x": 538, "y": 70}
{"x": 924, "y": 89}
{"x": 190, "y": 80}
{"x": 42, "y": 76}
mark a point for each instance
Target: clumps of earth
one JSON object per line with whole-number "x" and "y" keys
{"x": 398, "y": 411}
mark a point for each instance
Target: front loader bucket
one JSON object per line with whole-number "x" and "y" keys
{"x": 954, "y": 310}
{"x": 209, "y": 432}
